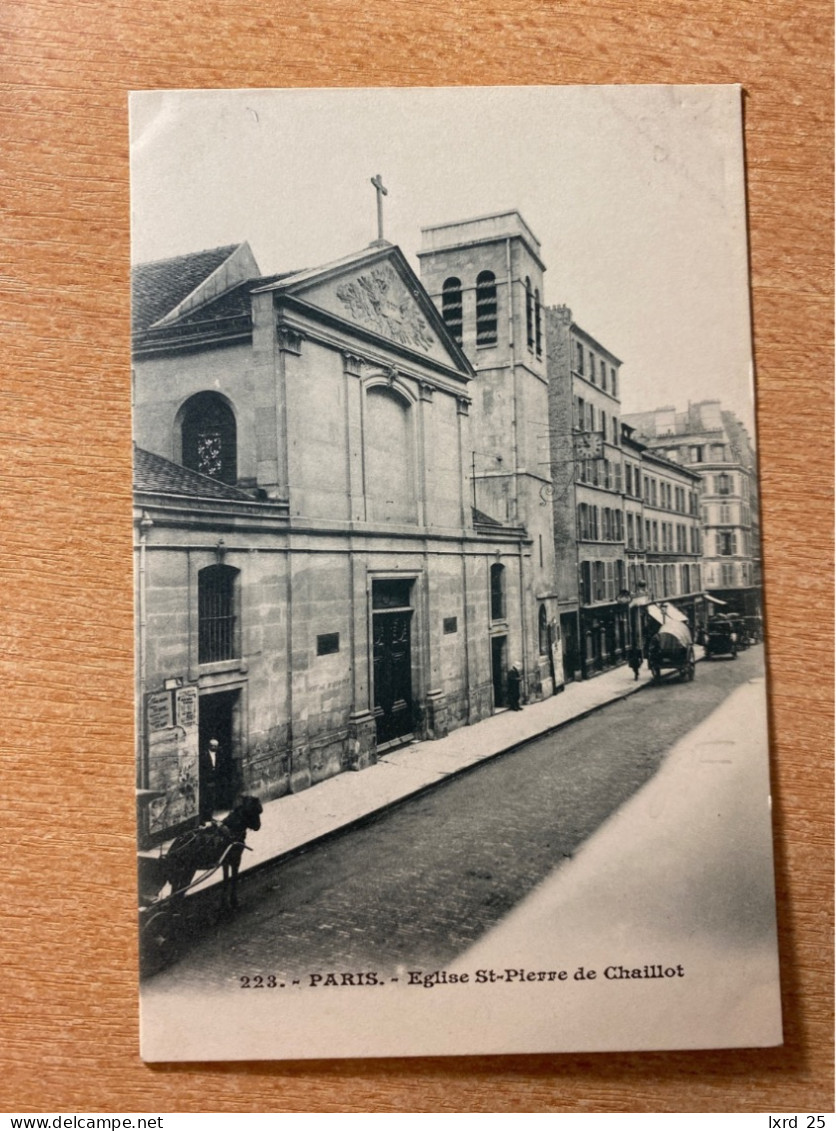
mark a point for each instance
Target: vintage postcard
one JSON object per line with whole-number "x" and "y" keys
{"x": 451, "y": 702}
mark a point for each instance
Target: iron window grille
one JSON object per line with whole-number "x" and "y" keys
{"x": 216, "y": 614}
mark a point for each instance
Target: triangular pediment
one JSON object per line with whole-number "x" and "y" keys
{"x": 379, "y": 292}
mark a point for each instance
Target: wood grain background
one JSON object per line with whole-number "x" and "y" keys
{"x": 69, "y": 985}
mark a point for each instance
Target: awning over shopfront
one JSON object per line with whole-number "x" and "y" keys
{"x": 714, "y": 600}
{"x": 666, "y": 612}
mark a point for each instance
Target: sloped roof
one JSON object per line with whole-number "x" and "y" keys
{"x": 155, "y": 475}
{"x": 482, "y": 519}
{"x": 158, "y": 287}
{"x": 234, "y": 303}
{"x": 204, "y": 299}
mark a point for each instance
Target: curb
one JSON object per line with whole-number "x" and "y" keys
{"x": 371, "y": 814}
{"x": 388, "y": 806}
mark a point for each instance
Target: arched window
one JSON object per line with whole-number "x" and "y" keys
{"x": 389, "y": 462}
{"x": 451, "y": 306}
{"x": 497, "y": 592}
{"x": 486, "y": 309}
{"x": 529, "y": 314}
{"x": 216, "y": 614}
{"x": 209, "y": 437}
{"x": 538, "y": 328}
{"x": 543, "y": 631}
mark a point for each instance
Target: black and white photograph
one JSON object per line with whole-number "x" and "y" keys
{"x": 451, "y": 697}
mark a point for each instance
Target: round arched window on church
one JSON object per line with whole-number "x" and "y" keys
{"x": 209, "y": 437}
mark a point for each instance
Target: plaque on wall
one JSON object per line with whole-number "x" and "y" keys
{"x": 473, "y": 752}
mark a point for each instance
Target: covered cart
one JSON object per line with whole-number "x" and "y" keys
{"x": 671, "y": 651}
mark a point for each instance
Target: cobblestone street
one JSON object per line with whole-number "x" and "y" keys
{"x": 419, "y": 884}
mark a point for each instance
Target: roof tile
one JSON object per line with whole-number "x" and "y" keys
{"x": 155, "y": 475}
{"x": 157, "y": 288}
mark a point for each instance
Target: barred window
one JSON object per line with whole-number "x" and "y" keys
{"x": 216, "y": 614}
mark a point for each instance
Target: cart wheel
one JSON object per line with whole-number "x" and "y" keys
{"x": 692, "y": 667}
{"x": 158, "y": 937}
{"x": 657, "y": 674}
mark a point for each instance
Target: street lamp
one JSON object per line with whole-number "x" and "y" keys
{"x": 624, "y": 597}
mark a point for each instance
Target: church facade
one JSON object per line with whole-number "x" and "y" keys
{"x": 321, "y": 573}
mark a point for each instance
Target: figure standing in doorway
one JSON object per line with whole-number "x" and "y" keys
{"x": 208, "y": 777}
{"x": 515, "y": 687}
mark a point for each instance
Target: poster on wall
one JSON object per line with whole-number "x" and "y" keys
{"x": 451, "y": 694}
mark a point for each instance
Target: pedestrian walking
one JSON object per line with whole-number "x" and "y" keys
{"x": 514, "y": 687}
{"x": 634, "y": 659}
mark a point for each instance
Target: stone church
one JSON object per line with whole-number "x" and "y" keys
{"x": 343, "y": 540}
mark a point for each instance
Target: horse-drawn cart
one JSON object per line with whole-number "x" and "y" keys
{"x": 671, "y": 652}
{"x": 189, "y": 861}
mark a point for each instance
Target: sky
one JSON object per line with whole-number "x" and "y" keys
{"x": 636, "y": 194}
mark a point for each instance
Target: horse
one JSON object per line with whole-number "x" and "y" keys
{"x": 212, "y": 845}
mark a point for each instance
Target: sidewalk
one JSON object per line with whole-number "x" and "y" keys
{"x": 298, "y": 819}
{"x": 671, "y": 901}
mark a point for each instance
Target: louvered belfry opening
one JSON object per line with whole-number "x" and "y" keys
{"x": 451, "y": 307}
{"x": 486, "y": 309}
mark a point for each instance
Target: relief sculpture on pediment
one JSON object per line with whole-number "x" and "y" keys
{"x": 379, "y": 300}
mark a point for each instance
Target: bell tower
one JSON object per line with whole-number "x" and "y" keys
{"x": 485, "y": 275}
{"x": 486, "y": 278}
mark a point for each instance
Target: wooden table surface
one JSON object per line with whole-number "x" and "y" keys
{"x": 69, "y": 987}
